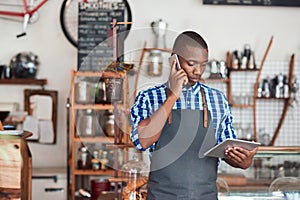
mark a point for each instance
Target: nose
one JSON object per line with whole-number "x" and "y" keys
{"x": 197, "y": 70}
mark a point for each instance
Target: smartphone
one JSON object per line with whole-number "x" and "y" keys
{"x": 171, "y": 60}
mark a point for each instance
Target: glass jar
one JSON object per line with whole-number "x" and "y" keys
{"x": 86, "y": 123}
{"x": 104, "y": 160}
{"x": 135, "y": 171}
{"x": 84, "y": 92}
{"x": 155, "y": 64}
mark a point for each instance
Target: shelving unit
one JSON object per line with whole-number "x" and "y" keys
{"x": 79, "y": 176}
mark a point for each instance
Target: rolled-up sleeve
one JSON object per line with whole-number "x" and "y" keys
{"x": 139, "y": 111}
{"x": 226, "y": 124}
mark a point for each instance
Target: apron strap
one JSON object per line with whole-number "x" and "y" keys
{"x": 170, "y": 115}
{"x": 205, "y": 118}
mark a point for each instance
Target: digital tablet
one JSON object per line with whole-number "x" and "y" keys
{"x": 219, "y": 149}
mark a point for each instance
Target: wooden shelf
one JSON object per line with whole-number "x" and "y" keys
{"x": 157, "y": 49}
{"x": 23, "y": 81}
{"x": 123, "y": 179}
{"x": 279, "y": 149}
{"x": 101, "y": 139}
{"x": 109, "y": 172}
{"x": 252, "y": 185}
{"x": 102, "y": 74}
{"x": 242, "y": 105}
{"x": 216, "y": 80}
{"x": 271, "y": 98}
{"x": 96, "y": 106}
{"x": 243, "y": 70}
{"x": 119, "y": 145}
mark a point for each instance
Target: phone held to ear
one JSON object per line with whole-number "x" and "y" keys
{"x": 171, "y": 60}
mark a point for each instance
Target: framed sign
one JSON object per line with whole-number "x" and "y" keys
{"x": 41, "y": 106}
{"x": 95, "y": 50}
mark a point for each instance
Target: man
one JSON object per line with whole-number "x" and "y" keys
{"x": 175, "y": 120}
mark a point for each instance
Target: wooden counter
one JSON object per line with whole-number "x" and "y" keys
{"x": 239, "y": 183}
{"x": 16, "y": 167}
{"x": 252, "y": 185}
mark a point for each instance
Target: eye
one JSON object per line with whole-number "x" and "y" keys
{"x": 192, "y": 63}
{"x": 203, "y": 64}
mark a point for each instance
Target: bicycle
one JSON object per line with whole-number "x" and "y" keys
{"x": 30, "y": 14}
{"x": 69, "y": 18}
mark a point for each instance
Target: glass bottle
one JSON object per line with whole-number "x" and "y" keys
{"x": 263, "y": 137}
{"x": 260, "y": 89}
{"x": 235, "y": 60}
{"x": 104, "y": 161}
{"x": 248, "y": 132}
{"x": 7, "y": 72}
{"x": 96, "y": 164}
{"x": 82, "y": 158}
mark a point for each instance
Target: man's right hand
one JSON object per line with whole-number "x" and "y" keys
{"x": 149, "y": 129}
{"x": 177, "y": 79}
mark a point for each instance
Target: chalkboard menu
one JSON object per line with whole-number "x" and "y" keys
{"x": 95, "y": 50}
{"x": 254, "y": 2}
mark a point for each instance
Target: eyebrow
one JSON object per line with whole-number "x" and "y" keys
{"x": 197, "y": 61}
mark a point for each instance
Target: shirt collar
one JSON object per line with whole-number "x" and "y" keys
{"x": 195, "y": 88}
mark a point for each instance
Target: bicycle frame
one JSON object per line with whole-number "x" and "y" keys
{"x": 26, "y": 9}
{"x": 28, "y": 12}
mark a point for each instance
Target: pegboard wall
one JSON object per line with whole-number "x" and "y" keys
{"x": 268, "y": 113}
{"x": 268, "y": 110}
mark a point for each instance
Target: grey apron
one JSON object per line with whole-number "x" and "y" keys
{"x": 178, "y": 171}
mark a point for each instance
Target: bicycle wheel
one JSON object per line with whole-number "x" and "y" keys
{"x": 69, "y": 19}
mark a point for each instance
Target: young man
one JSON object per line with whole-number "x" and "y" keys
{"x": 174, "y": 120}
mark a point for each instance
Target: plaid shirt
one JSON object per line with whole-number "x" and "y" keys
{"x": 148, "y": 101}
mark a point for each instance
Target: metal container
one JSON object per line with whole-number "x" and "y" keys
{"x": 100, "y": 96}
{"x": 114, "y": 89}
{"x": 98, "y": 186}
{"x": 155, "y": 63}
{"x": 109, "y": 124}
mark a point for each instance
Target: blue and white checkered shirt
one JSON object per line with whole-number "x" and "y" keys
{"x": 148, "y": 101}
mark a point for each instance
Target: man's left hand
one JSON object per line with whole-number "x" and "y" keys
{"x": 239, "y": 157}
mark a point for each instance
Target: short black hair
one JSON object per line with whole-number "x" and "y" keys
{"x": 190, "y": 38}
